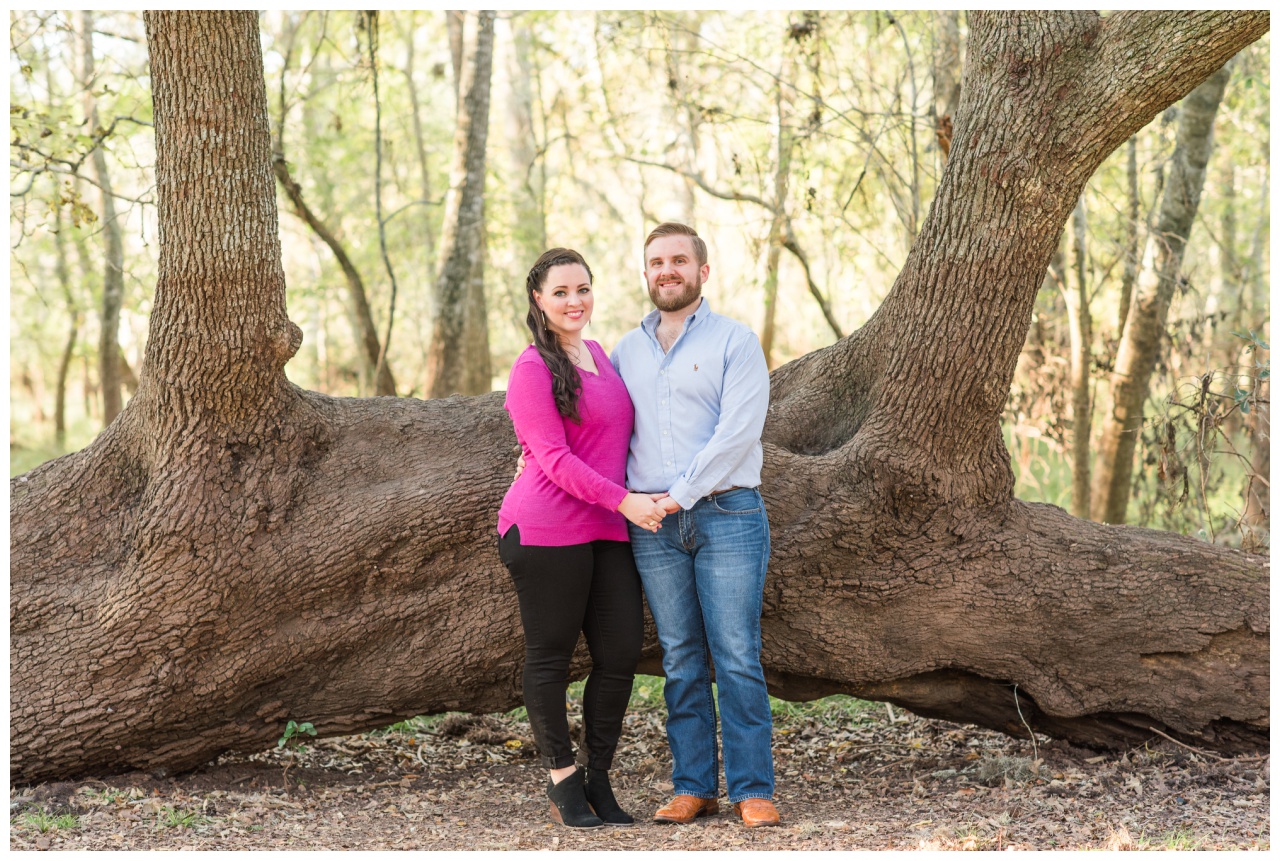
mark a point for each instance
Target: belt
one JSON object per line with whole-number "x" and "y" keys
{"x": 726, "y": 490}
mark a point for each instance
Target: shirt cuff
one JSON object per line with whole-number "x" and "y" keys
{"x": 683, "y": 493}
{"x": 615, "y": 499}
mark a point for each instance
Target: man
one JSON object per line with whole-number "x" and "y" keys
{"x": 700, "y": 387}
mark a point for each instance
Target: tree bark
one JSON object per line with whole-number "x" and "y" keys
{"x": 113, "y": 272}
{"x": 1144, "y": 329}
{"x": 458, "y": 358}
{"x": 235, "y": 552}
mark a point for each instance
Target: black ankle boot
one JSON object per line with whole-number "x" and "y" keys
{"x": 600, "y": 795}
{"x": 569, "y": 802}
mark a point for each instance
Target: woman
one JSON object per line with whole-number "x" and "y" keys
{"x": 564, "y": 536}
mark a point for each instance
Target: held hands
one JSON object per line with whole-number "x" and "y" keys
{"x": 643, "y": 509}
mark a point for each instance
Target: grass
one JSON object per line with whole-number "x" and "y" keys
{"x": 646, "y": 695}
{"x": 835, "y": 709}
{"x": 173, "y": 817}
{"x": 1177, "y": 840}
{"x": 45, "y": 822}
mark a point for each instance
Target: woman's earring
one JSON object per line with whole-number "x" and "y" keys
{"x": 544, "y": 319}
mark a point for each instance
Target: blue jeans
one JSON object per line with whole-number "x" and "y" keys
{"x": 703, "y": 573}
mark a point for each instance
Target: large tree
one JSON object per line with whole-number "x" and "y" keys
{"x": 233, "y": 552}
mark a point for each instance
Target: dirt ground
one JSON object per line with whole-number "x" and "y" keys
{"x": 863, "y": 777}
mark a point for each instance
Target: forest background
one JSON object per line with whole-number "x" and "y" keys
{"x": 805, "y": 147}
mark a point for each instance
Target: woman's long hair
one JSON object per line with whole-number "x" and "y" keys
{"x": 565, "y": 382}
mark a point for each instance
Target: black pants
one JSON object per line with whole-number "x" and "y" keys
{"x": 590, "y": 588}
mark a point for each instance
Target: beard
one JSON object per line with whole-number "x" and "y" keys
{"x": 679, "y": 301}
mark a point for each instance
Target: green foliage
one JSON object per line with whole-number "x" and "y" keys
{"x": 173, "y": 817}
{"x": 293, "y": 734}
{"x": 835, "y": 710}
{"x": 694, "y": 95}
{"x": 45, "y": 822}
{"x": 1178, "y": 840}
{"x": 646, "y": 695}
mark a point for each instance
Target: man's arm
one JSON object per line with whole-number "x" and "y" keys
{"x": 744, "y": 402}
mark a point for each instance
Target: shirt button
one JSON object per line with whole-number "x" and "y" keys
{"x": 663, "y": 373}
{"x": 668, "y": 463}
{"x": 664, "y": 433}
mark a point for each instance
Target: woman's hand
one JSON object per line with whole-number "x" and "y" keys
{"x": 642, "y": 510}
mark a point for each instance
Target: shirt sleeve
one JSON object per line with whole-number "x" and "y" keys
{"x": 744, "y": 403}
{"x": 532, "y": 406}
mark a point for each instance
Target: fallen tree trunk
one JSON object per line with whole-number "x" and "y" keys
{"x": 233, "y": 552}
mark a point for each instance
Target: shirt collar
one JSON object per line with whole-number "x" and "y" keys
{"x": 650, "y": 321}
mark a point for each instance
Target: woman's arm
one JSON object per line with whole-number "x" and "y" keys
{"x": 541, "y": 427}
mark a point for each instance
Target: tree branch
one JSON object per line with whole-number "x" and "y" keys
{"x": 790, "y": 243}
{"x": 1146, "y": 61}
{"x": 702, "y": 183}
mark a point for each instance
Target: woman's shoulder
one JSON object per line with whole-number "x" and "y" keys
{"x": 529, "y": 355}
{"x": 529, "y": 361}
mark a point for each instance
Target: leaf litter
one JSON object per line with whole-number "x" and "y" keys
{"x": 848, "y": 777}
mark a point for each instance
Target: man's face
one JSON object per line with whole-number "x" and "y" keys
{"x": 672, "y": 272}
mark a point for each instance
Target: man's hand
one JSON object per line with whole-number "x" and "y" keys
{"x": 669, "y": 505}
{"x": 642, "y": 510}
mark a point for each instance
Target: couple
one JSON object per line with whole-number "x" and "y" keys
{"x": 692, "y": 528}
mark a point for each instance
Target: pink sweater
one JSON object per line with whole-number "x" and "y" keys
{"x": 574, "y": 475}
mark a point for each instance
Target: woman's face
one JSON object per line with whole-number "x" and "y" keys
{"x": 566, "y": 298}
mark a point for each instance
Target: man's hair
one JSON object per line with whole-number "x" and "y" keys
{"x": 675, "y": 228}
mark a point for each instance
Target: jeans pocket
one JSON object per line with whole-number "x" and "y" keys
{"x": 744, "y": 500}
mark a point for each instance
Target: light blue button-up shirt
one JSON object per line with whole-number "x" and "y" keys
{"x": 699, "y": 409}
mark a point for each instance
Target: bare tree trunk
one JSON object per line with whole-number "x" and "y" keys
{"x": 234, "y": 552}
{"x": 113, "y": 273}
{"x": 370, "y": 17}
{"x": 455, "y": 23}
{"x": 1080, "y": 325}
{"x": 1144, "y": 329}
{"x": 73, "y": 332}
{"x": 458, "y": 358}
{"x": 783, "y": 99}
{"x": 1129, "y": 275}
{"x": 420, "y": 145}
{"x": 528, "y": 179}
{"x": 1257, "y": 492}
{"x": 87, "y": 273}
